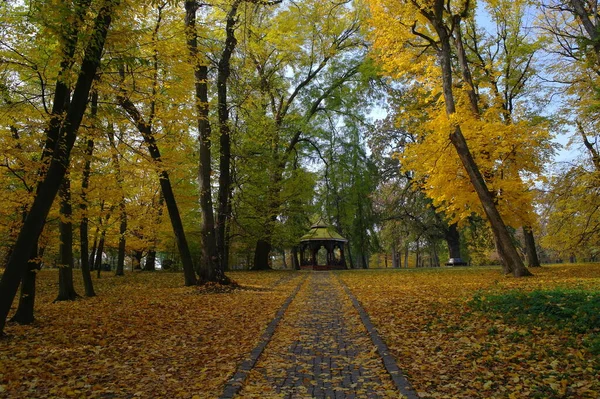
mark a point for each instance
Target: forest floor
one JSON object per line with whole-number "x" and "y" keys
{"x": 454, "y": 332}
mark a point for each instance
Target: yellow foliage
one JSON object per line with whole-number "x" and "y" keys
{"x": 507, "y": 153}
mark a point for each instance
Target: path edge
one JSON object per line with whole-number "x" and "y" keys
{"x": 399, "y": 379}
{"x": 235, "y": 383}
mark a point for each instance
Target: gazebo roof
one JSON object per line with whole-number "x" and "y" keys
{"x": 322, "y": 232}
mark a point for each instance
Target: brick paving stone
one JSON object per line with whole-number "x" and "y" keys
{"x": 320, "y": 350}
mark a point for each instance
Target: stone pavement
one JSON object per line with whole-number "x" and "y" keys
{"x": 321, "y": 349}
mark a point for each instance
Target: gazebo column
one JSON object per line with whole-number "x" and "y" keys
{"x": 314, "y": 250}
{"x": 342, "y": 256}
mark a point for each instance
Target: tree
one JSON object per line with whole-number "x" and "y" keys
{"x": 421, "y": 26}
{"x": 325, "y": 53}
{"x": 65, "y": 132}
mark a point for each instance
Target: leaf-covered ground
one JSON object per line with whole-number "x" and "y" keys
{"x": 144, "y": 336}
{"x": 452, "y": 349}
{"x": 454, "y": 331}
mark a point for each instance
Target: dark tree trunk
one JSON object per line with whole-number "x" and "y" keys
{"x": 100, "y": 250}
{"x": 223, "y": 72}
{"x": 396, "y": 262}
{"x": 530, "y": 250}
{"x": 166, "y": 188}
{"x": 24, "y": 313}
{"x": 49, "y": 186}
{"x": 150, "y": 265}
{"x": 92, "y": 258}
{"x": 66, "y": 289}
{"x": 453, "y": 241}
{"x": 136, "y": 262}
{"x": 295, "y": 262}
{"x": 209, "y": 268}
{"x": 261, "y": 255}
{"x": 512, "y": 260}
{"x": 83, "y": 226}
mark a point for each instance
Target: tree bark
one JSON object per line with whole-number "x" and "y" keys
{"x": 66, "y": 289}
{"x": 209, "y": 268}
{"x": 83, "y": 225}
{"x": 295, "y": 262}
{"x": 530, "y": 251}
{"x": 25, "y": 313}
{"x": 223, "y": 72}
{"x": 513, "y": 261}
{"x": 453, "y": 241}
{"x": 100, "y": 250}
{"x": 261, "y": 255}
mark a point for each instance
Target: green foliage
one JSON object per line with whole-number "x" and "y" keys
{"x": 575, "y": 310}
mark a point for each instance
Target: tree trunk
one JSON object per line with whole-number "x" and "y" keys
{"x": 49, "y": 186}
{"x": 223, "y": 72}
{"x": 100, "y": 250}
{"x": 295, "y": 262}
{"x": 530, "y": 250}
{"x": 508, "y": 251}
{"x": 166, "y": 188}
{"x": 120, "y": 269}
{"x": 150, "y": 265}
{"x": 209, "y": 268}
{"x": 261, "y": 255}
{"x": 83, "y": 225}
{"x": 66, "y": 289}
{"x": 92, "y": 258}
{"x": 24, "y": 313}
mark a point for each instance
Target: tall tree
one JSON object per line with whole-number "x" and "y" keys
{"x": 438, "y": 26}
{"x": 65, "y": 133}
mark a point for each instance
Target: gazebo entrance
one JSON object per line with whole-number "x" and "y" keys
{"x": 322, "y": 248}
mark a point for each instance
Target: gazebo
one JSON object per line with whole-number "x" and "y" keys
{"x": 322, "y": 248}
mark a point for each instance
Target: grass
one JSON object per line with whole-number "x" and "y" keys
{"x": 475, "y": 333}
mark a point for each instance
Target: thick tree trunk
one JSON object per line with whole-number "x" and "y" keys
{"x": 150, "y": 265}
{"x": 295, "y": 261}
{"x": 530, "y": 250}
{"x": 66, "y": 289}
{"x": 136, "y": 262}
{"x": 209, "y": 268}
{"x": 24, "y": 313}
{"x": 261, "y": 255}
{"x": 512, "y": 260}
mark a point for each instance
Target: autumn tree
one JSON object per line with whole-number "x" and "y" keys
{"x": 571, "y": 202}
{"x": 61, "y": 131}
{"x": 432, "y": 32}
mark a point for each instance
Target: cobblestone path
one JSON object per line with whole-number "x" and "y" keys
{"x": 320, "y": 349}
